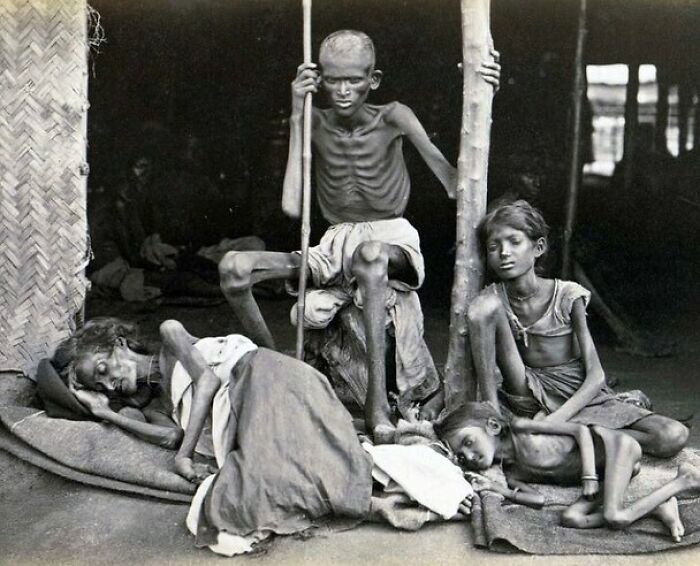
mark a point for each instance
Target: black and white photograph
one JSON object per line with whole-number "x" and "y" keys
{"x": 309, "y": 282}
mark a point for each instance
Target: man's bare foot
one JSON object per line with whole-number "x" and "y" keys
{"x": 669, "y": 516}
{"x": 690, "y": 476}
{"x": 383, "y": 434}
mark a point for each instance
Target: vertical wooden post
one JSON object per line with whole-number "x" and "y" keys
{"x": 575, "y": 142}
{"x": 471, "y": 196}
{"x": 631, "y": 122}
{"x": 306, "y": 189}
{"x": 661, "y": 125}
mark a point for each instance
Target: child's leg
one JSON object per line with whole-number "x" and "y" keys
{"x": 659, "y": 436}
{"x": 584, "y": 514}
{"x": 372, "y": 264}
{"x": 491, "y": 341}
{"x": 239, "y": 271}
{"x": 621, "y": 454}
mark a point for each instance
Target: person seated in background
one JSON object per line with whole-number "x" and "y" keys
{"x": 161, "y": 232}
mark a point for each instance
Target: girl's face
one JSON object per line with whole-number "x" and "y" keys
{"x": 475, "y": 446}
{"x": 510, "y": 252}
{"x": 106, "y": 372}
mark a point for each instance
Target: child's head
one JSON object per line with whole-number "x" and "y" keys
{"x": 514, "y": 236}
{"x": 473, "y": 432}
{"x": 347, "y": 61}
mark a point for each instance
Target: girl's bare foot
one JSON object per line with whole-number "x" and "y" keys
{"x": 669, "y": 516}
{"x": 690, "y": 476}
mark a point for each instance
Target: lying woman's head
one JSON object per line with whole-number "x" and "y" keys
{"x": 105, "y": 355}
{"x": 473, "y": 432}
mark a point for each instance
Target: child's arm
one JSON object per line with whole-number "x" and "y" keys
{"x": 595, "y": 377}
{"x": 408, "y": 123}
{"x": 589, "y": 478}
{"x": 517, "y": 492}
{"x": 305, "y": 81}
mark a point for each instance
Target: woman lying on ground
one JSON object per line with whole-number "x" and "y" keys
{"x": 534, "y": 330}
{"x": 285, "y": 447}
{"x": 565, "y": 454}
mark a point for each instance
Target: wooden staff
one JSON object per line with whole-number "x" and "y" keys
{"x": 472, "y": 168}
{"x": 575, "y": 159}
{"x": 306, "y": 188}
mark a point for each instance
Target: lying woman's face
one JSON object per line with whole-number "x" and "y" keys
{"x": 109, "y": 372}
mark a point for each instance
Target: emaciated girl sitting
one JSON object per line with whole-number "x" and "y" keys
{"x": 534, "y": 330}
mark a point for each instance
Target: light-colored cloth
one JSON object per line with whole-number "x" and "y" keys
{"x": 424, "y": 475}
{"x": 556, "y": 320}
{"x": 330, "y": 263}
{"x": 551, "y": 387}
{"x": 221, "y": 355}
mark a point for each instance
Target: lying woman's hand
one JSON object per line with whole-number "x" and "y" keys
{"x": 194, "y": 472}
{"x": 94, "y": 401}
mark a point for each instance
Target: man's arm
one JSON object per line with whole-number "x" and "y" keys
{"x": 404, "y": 118}
{"x": 583, "y": 438}
{"x": 595, "y": 377}
{"x": 306, "y": 81}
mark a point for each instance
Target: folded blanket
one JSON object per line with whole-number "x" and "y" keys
{"x": 92, "y": 453}
{"x": 502, "y": 526}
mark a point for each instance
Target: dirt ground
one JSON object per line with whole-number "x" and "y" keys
{"x": 44, "y": 518}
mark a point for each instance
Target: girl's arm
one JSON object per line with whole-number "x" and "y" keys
{"x": 165, "y": 436}
{"x": 589, "y": 477}
{"x": 595, "y": 377}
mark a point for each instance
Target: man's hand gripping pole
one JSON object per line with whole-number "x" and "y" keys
{"x": 306, "y": 188}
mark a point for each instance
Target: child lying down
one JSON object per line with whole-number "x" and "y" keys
{"x": 543, "y": 451}
{"x": 286, "y": 450}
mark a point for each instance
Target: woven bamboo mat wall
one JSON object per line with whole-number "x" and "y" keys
{"x": 43, "y": 107}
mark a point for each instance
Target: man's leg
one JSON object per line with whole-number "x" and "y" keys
{"x": 239, "y": 271}
{"x": 373, "y": 263}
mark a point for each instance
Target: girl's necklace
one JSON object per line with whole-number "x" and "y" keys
{"x": 520, "y": 299}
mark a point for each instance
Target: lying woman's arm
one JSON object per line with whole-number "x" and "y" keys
{"x": 178, "y": 344}
{"x": 165, "y": 436}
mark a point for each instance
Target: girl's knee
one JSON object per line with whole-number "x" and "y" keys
{"x": 483, "y": 309}
{"x": 670, "y": 437}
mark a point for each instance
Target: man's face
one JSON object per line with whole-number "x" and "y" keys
{"x": 347, "y": 80}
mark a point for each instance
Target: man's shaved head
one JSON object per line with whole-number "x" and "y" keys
{"x": 348, "y": 43}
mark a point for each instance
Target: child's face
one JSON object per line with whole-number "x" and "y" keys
{"x": 347, "y": 80}
{"x": 106, "y": 372}
{"x": 510, "y": 252}
{"x": 475, "y": 445}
